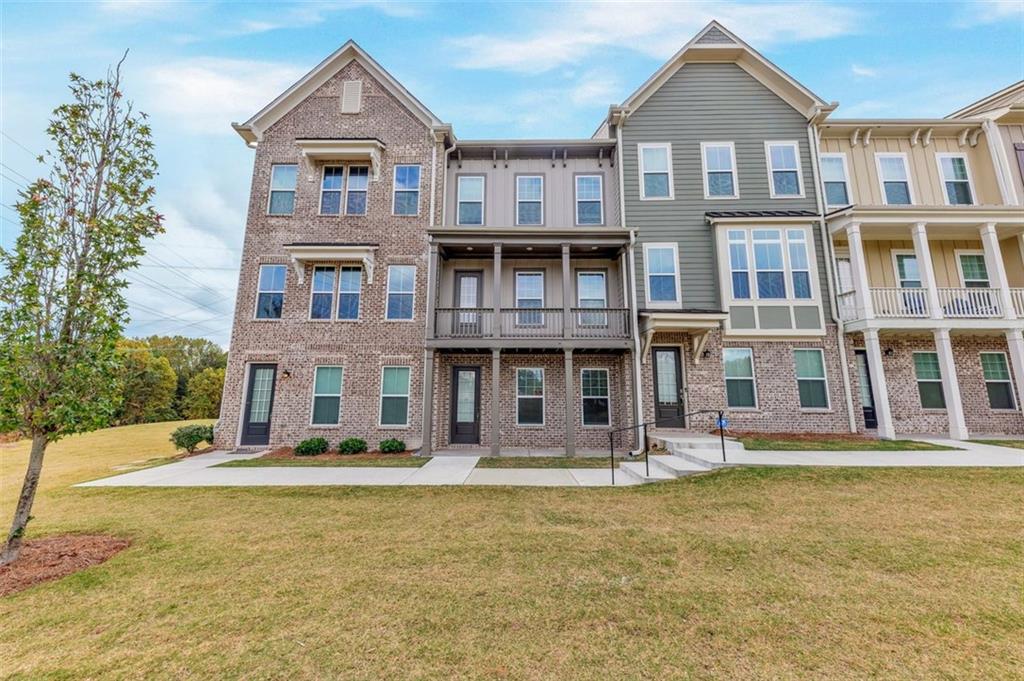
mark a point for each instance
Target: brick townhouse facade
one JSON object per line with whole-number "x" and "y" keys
{"x": 720, "y": 242}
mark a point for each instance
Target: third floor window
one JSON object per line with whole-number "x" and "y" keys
{"x": 955, "y": 179}
{"x": 282, "y": 189}
{"x": 836, "y": 179}
{"x": 471, "y": 200}
{"x": 719, "y": 163}
{"x": 894, "y": 178}
{"x": 530, "y": 200}
{"x": 589, "y": 206}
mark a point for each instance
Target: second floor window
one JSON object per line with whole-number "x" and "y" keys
{"x": 784, "y": 167}
{"x": 739, "y": 264}
{"x": 330, "y": 190}
{"x": 270, "y": 292}
{"x": 530, "y": 200}
{"x": 719, "y": 162}
{"x": 655, "y": 171}
{"x": 589, "y": 207}
{"x": 322, "y": 304}
{"x": 799, "y": 263}
{"x": 895, "y": 179}
{"x": 349, "y": 292}
{"x": 355, "y": 190}
{"x": 973, "y": 271}
{"x": 661, "y": 262}
{"x": 282, "y": 188}
{"x": 407, "y": 190}
{"x": 781, "y": 261}
{"x": 956, "y": 182}
{"x": 591, "y": 292}
{"x": 768, "y": 264}
{"x": 471, "y": 200}
{"x": 529, "y": 294}
{"x": 907, "y": 273}
{"x": 834, "y": 175}
{"x": 401, "y": 287}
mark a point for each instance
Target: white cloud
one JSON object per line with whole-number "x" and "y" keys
{"x": 989, "y": 12}
{"x": 655, "y": 29}
{"x": 863, "y": 71}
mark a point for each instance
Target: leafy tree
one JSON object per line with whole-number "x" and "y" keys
{"x": 62, "y": 304}
{"x": 202, "y": 399}
{"x": 188, "y": 356}
{"x": 148, "y": 384}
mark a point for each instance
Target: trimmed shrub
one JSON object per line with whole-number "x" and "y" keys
{"x": 391, "y": 446}
{"x": 352, "y": 445}
{"x": 311, "y": 447}
{"x": 189, "y": 437}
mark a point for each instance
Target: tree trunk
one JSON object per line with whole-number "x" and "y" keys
{"x": 28, "y": 496}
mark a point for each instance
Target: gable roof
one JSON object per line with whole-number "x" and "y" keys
{"x": 252, "y": 130}
{"x": 715, "y": 43}
{"x": 997, "y": 102}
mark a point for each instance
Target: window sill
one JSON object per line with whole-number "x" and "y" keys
{"x": 326, "y": 426}
{"x": 657, "y": 198}
{"x": 816, "y": 410}
{"x": 596, "y": 427}
{"x": 531, "y": 426}
{"x": 743, "y": 410}
{"x": 722, "y": 198}
{"x": 393, "y": 427}
{"x": 267, "y": 319}
{"x": 399, "y": 321}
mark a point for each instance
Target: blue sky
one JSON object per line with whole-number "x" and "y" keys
{"x": 492, "y": 70}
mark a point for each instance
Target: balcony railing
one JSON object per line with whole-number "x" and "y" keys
{"x": 970, "y": 303}
{"x": 893, "y": 303}
{"x": 913, "y": 303}
{"x": 532, "y": 322}
{"x": 1017, "y": 294}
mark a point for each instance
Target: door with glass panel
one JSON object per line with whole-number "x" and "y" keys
{"x": 668, "y": 388}
{"x": 468, "y": 286}
{"x": 867, "y": 396}
{"x": 592, "y": 291}
{"x": 908, "y": 274}
{"x": 259, "y": 403}
{"x": 465, "y": 405}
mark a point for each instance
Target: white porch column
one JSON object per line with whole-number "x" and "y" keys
{"x": 861, "y": 287}
{"x": 1015, "y": 343}
{"x": 883, "y": 414}
{"x": 996, "y": 270}
{"x": 924, "y": 266}
{"x": 950, "y": 385}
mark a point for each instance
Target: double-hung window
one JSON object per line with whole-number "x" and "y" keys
{"x": 327, "y": 396}
{"x": 595, "y": 395}
{"x": 330, "y": 190}
{"x": 589, "y": 206}
{"x": 810, "y": 379}
{"x": 407, "y": 190}
{"x": 355, "y": 190}
{"x": 799, "y": 263}
{"x": 349, "y": 291}
{"x": 738, "y": 264}
{"x": 283, "y": 177}
{"x": 718, "y": 160}
{"x": 769, "y": 264}
{"x": 655, "y": 171}
{"x": 740, "y": 392}
{"x": 401, "y": 287}
{"x": 973, "y": 271}
{"x": 929, "y": 380}
{"x": 530, "y": 200}
{"x": 591, "y": 291}
{"x": 997, "y": 380}
{"x": 836, "y": 178}
{"x": 394, "y": 396}
{"x": 529, "y": 397}
{"x": 529, "y": 294}
{"x": 956, "y": 179}
{"x": 908, "y": 275}
{"x": 894, "y": 177}
{"x": 270, "y": 292}
{"x": 784, "y": 169}
{"x": 322, "y": 304}
{"x": 661, "y": 261}
{"x": 470, "y": 200}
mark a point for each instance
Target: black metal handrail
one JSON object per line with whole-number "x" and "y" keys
{"x": 647, "y": 461}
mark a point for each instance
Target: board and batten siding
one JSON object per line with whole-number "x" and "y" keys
{"x": 709, "y": 103}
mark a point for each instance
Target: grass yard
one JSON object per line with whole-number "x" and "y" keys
{"x": 549, "y": 461}
{"x": 1014, "y": 444}
{"x": 835, "y": 444}
{"x": 743, "y": 573}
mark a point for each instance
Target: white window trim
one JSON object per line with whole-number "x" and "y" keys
{"x": 483, "y": 199}
{"x": 957, "y": 252}
{"x": 256, "y": 303}
{"x": 395, "y": 190}
{"x": 543, "y": 398}
{"x": 515, "y": 295}
{"x": 896, "y": 265}
{"x": 359, "y": 312}
{"x": 846, "y": 179}
{"x": 725, "y": 266}
{"x": 294, "y": 190}
{"x": 340, "y": 396}
{"x": 604, "y": 279}
{"x": 341, "y": 192}
{"x": 583, "y": 399}
{"x": 380, "y": 400}
{"x": 913, "y": 368}
{"x": 662, "y": 304}
{"x": 799, "y": 168}
{"x": 387, "y": 293}
{"x": 751, "y": 284}
{"x": 528, "y": 176}
{"x": 942, "y": 179}
{"x": 704, "y": 171}
{"x": 787, "y": 270}
{"x": 576, "y": 196}
{"x": 640, "y": 163}
{"x": 791, "y": 270}
{"x": 333, "y": 292}
{"x": 824, "y": 378}
{"x": 1008, "y": 381}
{"x": 753, "y": 377}
{"x": 345, "y": 190}
{"x": 906, "y": 166}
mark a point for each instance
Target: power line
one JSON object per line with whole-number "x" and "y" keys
{"x": 14, "y": 171}
{"x": 34, "y": 155}
{"x": 11, "y": 179}
{"x": 176, "y": 270}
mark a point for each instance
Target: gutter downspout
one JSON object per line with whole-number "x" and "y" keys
{"x": 826, "y": 244}
{"x": 638, "y": 393}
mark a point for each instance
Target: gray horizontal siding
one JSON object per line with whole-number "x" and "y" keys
{"x": 709, "y": 103}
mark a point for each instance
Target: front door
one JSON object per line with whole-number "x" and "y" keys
{"x": 465, "y": 405}
{"x": 467, "y": 295}
{"x": 867, "y": 395}
{"x": 668, "y": 388}
{"x": 259, "y": 403}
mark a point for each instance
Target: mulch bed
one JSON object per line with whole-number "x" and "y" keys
{"x": 42, "y": 560}
{"x": 330, "y": 455}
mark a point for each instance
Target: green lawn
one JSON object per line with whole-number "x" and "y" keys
{"x": 780, "y": 442}
{"x": 548, "y": 461}
{"x": 374, "y": 462}
{"x": 1015, "y": 444}
{"x": 742, "y": 573}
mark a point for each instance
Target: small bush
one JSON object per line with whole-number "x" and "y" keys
{"x": 311, "y": 447}
{"x": 189, "y": 437}
{"x": 391, "y": 446}
{"x": 352, "y": 445}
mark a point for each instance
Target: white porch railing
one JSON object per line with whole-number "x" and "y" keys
{"x": 970, "y": 303}
{"x": 847, "y": 305}
{"x": 1017, "y": 294}
{"x": 892, "y": 303}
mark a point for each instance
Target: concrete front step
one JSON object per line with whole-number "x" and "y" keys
{"x": 637, "y": 470}
{"x": 695, "y": 442}
{"x": 678, "y": 466}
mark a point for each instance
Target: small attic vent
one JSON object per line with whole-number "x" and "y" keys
{"x": 714, "y": 37}
{"x": 351, "y": 96}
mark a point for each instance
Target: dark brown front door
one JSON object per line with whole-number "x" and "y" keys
{"x": 867, "y": 398}
{"x": 668, "y": 388}
{"x": 259, "y": 403}
{"x": 465, "y": 405}
{"x": 468, "y": 287}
